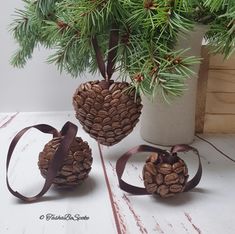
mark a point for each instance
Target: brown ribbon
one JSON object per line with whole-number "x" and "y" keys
{"x": 121, "y": 164}
{"x": 68, "y": 132}
{"x": 112, "y": 53}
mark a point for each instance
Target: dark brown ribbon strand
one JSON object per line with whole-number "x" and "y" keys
{"x": 69, "y": 131}
{"x": 99, "y": 57}
{"x": 113, "y": 43}
{"x": 196, "y": 179}
{"x": 121, "y": 164}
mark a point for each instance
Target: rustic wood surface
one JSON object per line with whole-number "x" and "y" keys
{"x": 209, "y": 208}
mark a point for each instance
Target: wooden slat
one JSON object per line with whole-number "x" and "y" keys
{"x": 218, "y": 62}
{"x": 219, "y": 123}
{"x": 202, "y": 90}
{"x": 221, "y": 81}
{"x": 222, "y": 103}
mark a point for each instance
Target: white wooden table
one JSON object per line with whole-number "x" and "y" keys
{"x": 209, "y": 208}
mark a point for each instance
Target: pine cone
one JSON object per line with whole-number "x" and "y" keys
{"x": 108, "y": 111}
{"x": 165, "y": 174}
{"x": 77, "y": 163}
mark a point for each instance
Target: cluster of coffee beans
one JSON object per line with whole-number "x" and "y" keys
{"x": 164, "y": 178}
{"x": 76, "y": 166}
{"x": 107, "y": 111}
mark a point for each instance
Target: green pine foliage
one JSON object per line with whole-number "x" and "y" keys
{"x": 147, "y": 30}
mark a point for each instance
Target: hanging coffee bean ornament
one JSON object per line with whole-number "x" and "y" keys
{"x": 65, "y": 160}
{"x": 76, "y": 165}
{"x": 107, "y": 110}
{"x": 164, "y": 173}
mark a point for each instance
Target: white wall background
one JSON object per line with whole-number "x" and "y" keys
{"x": 37, "y": 87}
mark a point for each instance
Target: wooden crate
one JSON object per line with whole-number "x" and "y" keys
{"x": 215, "y": 111}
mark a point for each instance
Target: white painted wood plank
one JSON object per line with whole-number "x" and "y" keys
{"x": 90, "y": 199}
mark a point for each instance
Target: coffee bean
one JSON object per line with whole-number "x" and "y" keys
{"x": 93, "y": 132}
{"x": 176, "y": 188}
{"x": 86, "y": 128}
{"x": 97, "y": 126}
{"x": 125, "y": 122}
{"x": 103, "y": 113}
{"x": 91, "y": 94}
{"x": 105, "y": 92}
{"x": 116, "y": 118}
{"x": 107, "y": 120}
{"x": 124, "y": 98}
{"x": 82, "y": 112}
{"x": 151, "y": 188}
{"x": 114, "y": 102}
{"x": 93, "y": 111}
{"x": 87, "y": 86}
{"x": 97, "y": 88}
{"x": 129, "y": 103}
{"x": 116, "y": 125}
{"x": 67, "y": 168}
{"x": 171, "y": 178}
{"x": 79, "y": 100}
{"x": 88, "y": 123}
{"x": 110, "y": 134}
{"x": 112, "y": 111}
{"x": 110, "y": 140}
{"x": 107, "y": 128}
{"x": 108, "y": 98}
{"x": 151, "y": 168}
{"x": 98, "y": 120}
{"x": 101, "y": 133}
{"x": 121, "y": 109}
{"x": 147, "y": 176}
{"x": 152, "y": 158}
{"x": 133, "y": 111}
{"x": 113, "y": 87}
{"x": 135, "y": 116}
{"x": 81, "y": 118}
{"x": 71, "y": 178}
{"x": 97, "y": 106}
{"x": 127, "y": 128}
{"x": 86, "y": 107}
{"x": 101, "y": 139}
{"x": 118, "y": 131}
{"x": 163, "y": 190}
{"x": 90, "y": 117}
{"x": 123, "y": 114}
{"x": 90, "y": 101}
{"x": 159, "y": 179}
{"x": 178, "y": 167}
{"x": 164, "y": 168}
{"x": 106, "y": 105}
{"x": 100, "y": 98}
{"x": 65, "y": 173}
{"x": 181, "y": 179}
{"x": 185, "y": 171}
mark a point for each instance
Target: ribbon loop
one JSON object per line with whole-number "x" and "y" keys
{"x": 121, "y": 164}
{"x": 68, "y": 132}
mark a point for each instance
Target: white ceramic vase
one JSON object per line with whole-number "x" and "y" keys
{"x": 170, "y": 124}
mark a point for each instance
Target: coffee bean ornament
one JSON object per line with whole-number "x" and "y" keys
{"x": 76, "y": 166}
{"x": 165, "y": 174}
{"x": 107, "y": 110}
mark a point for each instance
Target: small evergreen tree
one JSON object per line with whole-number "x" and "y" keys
{"x": 134, "y": 37}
